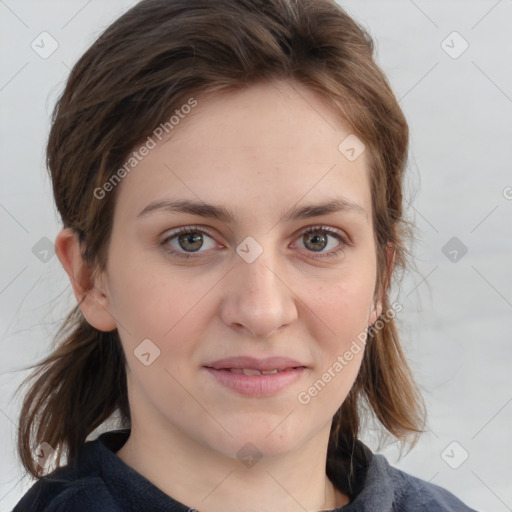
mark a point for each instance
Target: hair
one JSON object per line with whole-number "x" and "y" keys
{"x": 149, "y": 62}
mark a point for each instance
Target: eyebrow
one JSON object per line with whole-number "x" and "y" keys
{"x": 222, "y": 214}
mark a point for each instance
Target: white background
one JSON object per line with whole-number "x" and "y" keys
{"x": 456, "y": 320}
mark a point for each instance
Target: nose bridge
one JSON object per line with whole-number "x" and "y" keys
{"x": 257, "y": 299}
{"x": 259, "y": 279}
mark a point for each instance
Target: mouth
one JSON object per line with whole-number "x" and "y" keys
{"x": 256, "y": 377}
{"x": 255, "y": 371}
{"x": 248, "y": 363}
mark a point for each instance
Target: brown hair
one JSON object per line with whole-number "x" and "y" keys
{"x": 145, "y": 65}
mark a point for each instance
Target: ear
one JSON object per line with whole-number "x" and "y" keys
{"x": 377, "y": 307}
{"x": 89, "y": 288}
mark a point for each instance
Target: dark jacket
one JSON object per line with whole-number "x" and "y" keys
{"x": 98, "y": 480}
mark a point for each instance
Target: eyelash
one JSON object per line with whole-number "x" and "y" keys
{"x": 343, "y": 242}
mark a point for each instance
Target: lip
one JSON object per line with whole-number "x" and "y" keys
{"x": 256, "y": 385}
{"x": 253, "y": 363}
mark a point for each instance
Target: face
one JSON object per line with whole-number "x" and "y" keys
{"x": 264, "y": 274}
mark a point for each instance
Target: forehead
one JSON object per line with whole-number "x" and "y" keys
{"x": 261, "y": 147}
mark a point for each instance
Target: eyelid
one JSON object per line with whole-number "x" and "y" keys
{"x": 175, "y": 232}
{"x": 171, "y": 233}
{"x": 343, "y": 238}
{"x": 344, "y": 241}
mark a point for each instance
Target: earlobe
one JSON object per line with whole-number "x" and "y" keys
{"x": 89, "y": 290}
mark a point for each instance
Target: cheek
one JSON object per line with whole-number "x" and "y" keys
{"x": 341, "y": 312}
{"x": 342, "y": 307}
{"x": 169, "y": 310}
{"x": 147, "y": 300}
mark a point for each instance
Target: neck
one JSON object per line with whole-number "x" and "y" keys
{"x": 208, "y": 481}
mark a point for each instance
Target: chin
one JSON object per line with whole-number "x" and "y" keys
{"x": 259, "y": 441}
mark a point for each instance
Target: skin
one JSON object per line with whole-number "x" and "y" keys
{"x": 259, "y": 153}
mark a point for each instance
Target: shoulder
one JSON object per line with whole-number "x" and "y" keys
{"x": 97, "y": 479}
{"x": 376, "y": 486}
{"x": 81, "y": 485}
{"x": 411, "y": 493}
{"x": 60, "y": 492}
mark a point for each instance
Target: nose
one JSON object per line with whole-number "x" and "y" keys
{"x": 258, "y": 300}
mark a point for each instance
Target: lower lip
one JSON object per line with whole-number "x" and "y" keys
{"x": 257, "y": 385}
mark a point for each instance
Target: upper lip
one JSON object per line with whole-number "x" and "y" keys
{"x": 269, "y": 363}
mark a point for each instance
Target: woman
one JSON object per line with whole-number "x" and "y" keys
{"x": 229, "y": 177}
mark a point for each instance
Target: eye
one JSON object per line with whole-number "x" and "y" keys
{"x": 185, "y": 241}
{"x": 318, "y": 238}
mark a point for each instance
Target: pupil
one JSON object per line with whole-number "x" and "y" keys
{"x": 195, "y": 239}
{"x": 315, "y": 238}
